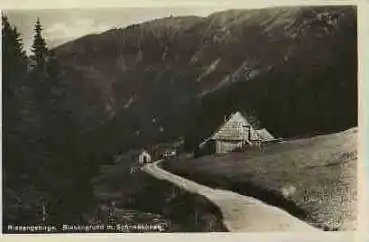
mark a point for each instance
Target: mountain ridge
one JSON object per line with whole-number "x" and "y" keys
{"x": 176, "y": 68}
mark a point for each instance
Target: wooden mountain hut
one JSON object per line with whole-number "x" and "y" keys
{"x": 236, "y": 132}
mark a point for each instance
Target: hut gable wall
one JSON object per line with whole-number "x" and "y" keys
{"x": 227, "y": 146}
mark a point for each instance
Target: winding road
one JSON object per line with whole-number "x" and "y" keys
{"x": 240, "y": 213}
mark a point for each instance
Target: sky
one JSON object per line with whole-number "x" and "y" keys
{"x": 60, "y": 26}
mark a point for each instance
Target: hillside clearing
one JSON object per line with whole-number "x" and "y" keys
{"x": 313, "y": 179}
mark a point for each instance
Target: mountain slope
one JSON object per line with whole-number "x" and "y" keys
{"x": 295, "y": 68}
{"x": 314, "y": 178}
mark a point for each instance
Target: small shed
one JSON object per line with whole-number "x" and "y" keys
{"x": 144, "y": 157}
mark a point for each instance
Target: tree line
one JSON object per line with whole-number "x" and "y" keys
{"x": 46, "y": 163}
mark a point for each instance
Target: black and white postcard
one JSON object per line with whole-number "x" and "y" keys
{"x": 180, "y": 119}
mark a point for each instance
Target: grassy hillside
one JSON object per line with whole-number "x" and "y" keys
{"x": 313, "y": 178}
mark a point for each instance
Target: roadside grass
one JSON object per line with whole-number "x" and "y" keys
{"x": 140, "y": 198}
{"x": 314, "y": 179}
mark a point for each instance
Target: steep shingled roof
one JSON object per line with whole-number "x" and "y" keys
{"x": 265, "y": 135}
{"x": 234, "y": 129}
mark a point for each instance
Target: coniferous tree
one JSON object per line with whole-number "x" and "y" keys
{"x": 20, "y": 196}
{"x": 10, "y": 58}
{"x": 39, "y": 49}
{"x": 63, "y": 173}
{"x": 14, "y": 59}
{"x": 38, "y": 73}
{"x": 42, "y": 88}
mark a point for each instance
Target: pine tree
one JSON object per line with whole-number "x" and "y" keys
{"x": 39, "y": 68}
{"x": 39, "y": 49}
{"x": 43, "y": 163}
{"x": 59, "y": 166}
{"x": 14, "y": 59}
{"x": 41, "y": 86}
{"x": 13, "y": 77}
{"x": 20, "y": 199}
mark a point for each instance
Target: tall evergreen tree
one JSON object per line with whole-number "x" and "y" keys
{"x": 42, "y": 87}
{"x": 20, "y": 199}
{"x": 14, "y": 59}
{"x": 63, "y": 173}
{"x": 13, "y": 75}
{"x": 39, "y": 67}
{"x": 39, "y": 48}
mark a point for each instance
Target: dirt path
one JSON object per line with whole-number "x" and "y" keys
{"x": 240, "y": 213}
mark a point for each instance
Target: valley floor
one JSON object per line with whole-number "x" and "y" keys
{"x": 140, "y": 199}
